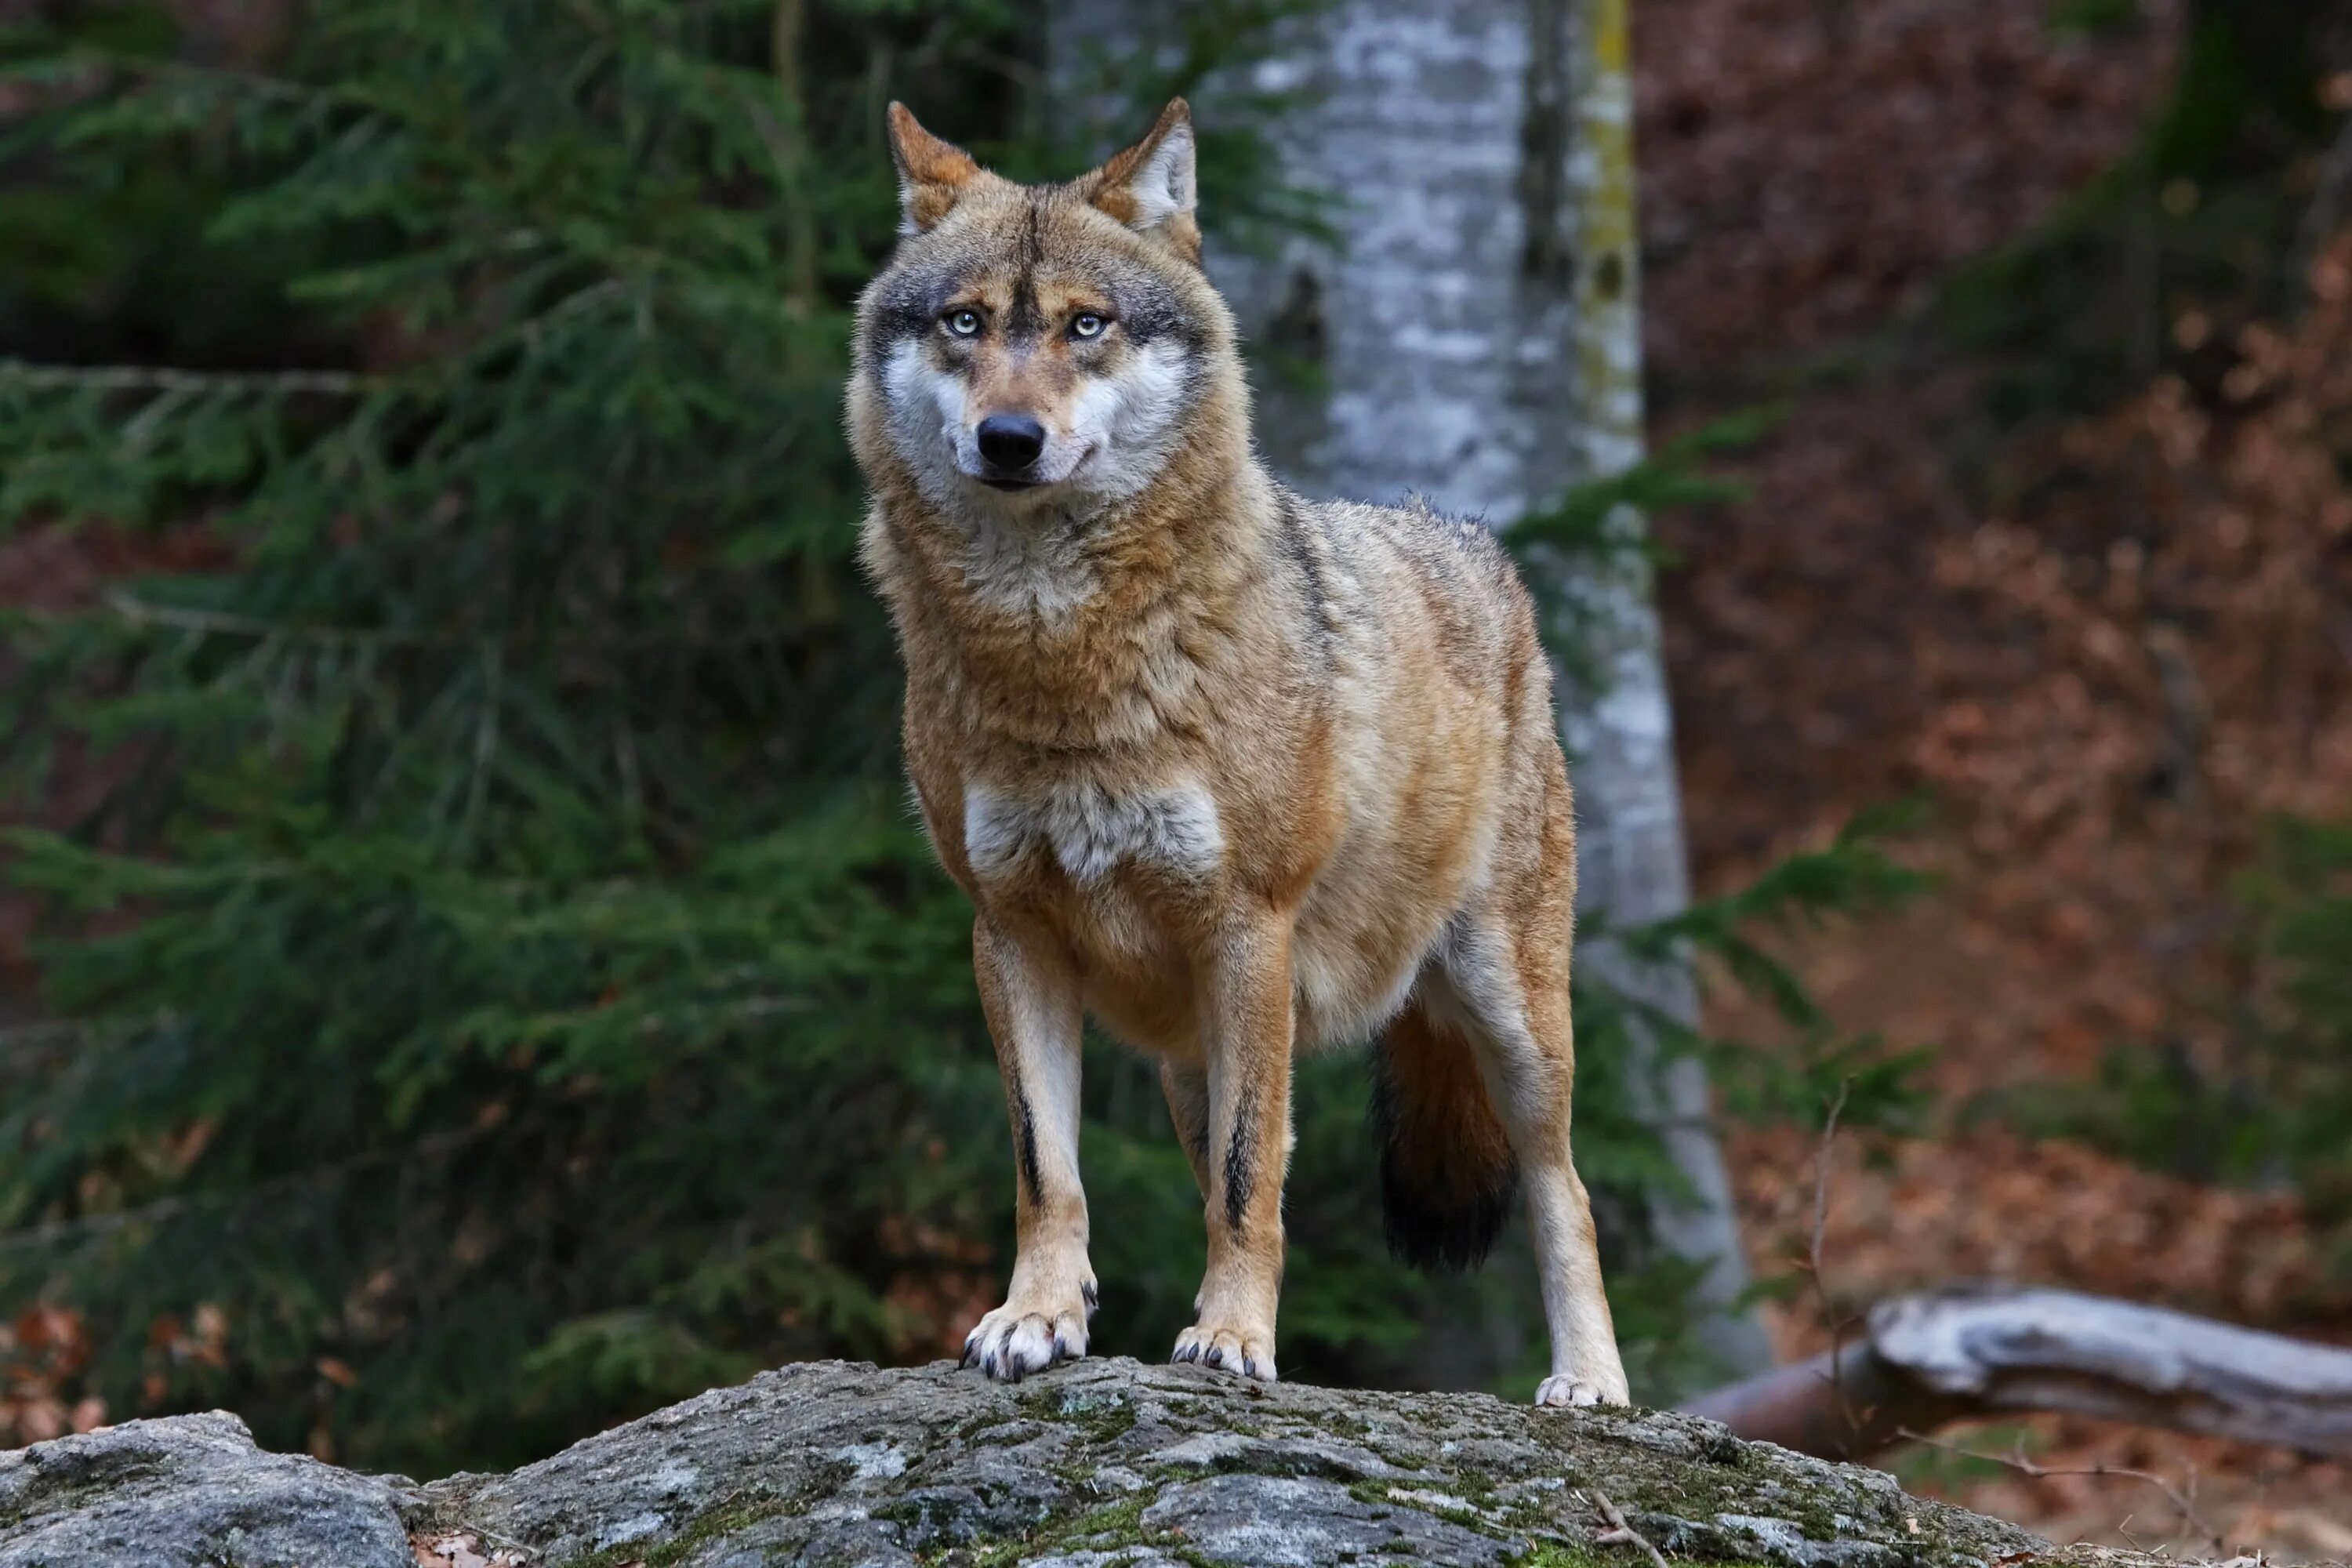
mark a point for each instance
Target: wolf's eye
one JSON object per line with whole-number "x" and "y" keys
{"x": 1086, "y": 324}
{"x": 964, "y": 323}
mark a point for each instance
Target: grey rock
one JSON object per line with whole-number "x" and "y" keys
{"x": 1105, "y": 1464}
{"x": 190, "y": 1492}
{"x": 1276, "y": 1521}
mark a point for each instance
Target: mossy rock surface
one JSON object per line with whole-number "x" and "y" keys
{"x": 1106, "y": 1462}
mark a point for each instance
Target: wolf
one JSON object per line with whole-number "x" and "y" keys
{"x": 1238, "y": 773}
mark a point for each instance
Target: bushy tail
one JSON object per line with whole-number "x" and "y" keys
{"x": 1447, "y": 1175}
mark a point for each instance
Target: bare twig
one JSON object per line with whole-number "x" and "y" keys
{"x": 1822, "y": 1175}
{"x": 2331, "y": 194}
{"x": 2015, "y": 1460}
{"x": 137, "y": 611}
{"x": 254, "y": 82}
{"x": 170, "y": 382}
{"x": 315, "y": 1176}
{"x": 152, "y": 378}
{"x": 142, "y": 612}
{"x": 504, "y": 1549}
{"x": 37, "y": 1041}
{"x": 507, "y": 1544}
{"x": 1831, "y": 1320}
{"x": 1620, "y": 1532}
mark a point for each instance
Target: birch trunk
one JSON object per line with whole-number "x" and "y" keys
{"x": 1475, "y": 337}
{"x": 1631, "y": 857}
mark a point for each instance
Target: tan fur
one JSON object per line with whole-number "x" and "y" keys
{"x": 1238, "y": 773}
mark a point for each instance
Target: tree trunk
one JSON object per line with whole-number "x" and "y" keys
{"x": 1631, "y": 860}
{"x": 1475, "y": 336}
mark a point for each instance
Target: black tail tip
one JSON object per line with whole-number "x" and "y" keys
{"x": 1452, "y": 1232}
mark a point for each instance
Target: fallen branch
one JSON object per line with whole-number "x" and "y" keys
{"x": 1968, "y": 1352}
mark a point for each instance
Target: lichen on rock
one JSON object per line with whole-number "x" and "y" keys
{"x": 1106, "y": 1462}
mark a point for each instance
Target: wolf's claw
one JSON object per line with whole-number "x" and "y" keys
{"x": 1228, "y": 1349}
{"x": 1011, "y": 1342}
{"x": 1575, "y": 1391}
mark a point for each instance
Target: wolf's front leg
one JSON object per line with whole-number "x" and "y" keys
{"x": 1031, "y": 998}
{"x": 1247, "y": 1044}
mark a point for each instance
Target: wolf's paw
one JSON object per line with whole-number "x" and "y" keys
{"x": 1577, "y": 1391}
{"x": 1013, "y": 1342}
{"x": 1229, "y": 1348}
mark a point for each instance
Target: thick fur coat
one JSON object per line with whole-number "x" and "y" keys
{"x": 1239, "y": 773}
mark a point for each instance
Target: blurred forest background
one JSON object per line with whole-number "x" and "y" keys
{"x": 467, "y": 976}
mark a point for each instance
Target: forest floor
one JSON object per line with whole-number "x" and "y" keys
{"x": 2100, "y": 647}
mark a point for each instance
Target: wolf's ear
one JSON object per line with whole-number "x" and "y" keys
{"x": 931, "y": 172}
{"x": 1152, "y": 186}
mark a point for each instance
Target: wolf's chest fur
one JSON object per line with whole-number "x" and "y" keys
{"x": 1123, "y": 870}
{"x": 1090, "y": 831}
{"x": 1135, "y": 877}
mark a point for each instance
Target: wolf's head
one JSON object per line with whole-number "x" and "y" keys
{"x": 1033, "y": 347}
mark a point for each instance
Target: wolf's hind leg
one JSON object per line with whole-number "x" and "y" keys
{"x": 1030, "y": 999}
{"x": 1512, "y": 988}
{"x": 1187, "y": 1088}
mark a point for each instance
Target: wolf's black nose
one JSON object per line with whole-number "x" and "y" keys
{"x": 1011, "y": 441}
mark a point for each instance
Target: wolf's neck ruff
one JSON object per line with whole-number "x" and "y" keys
{"x": 1098, "y": 634}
